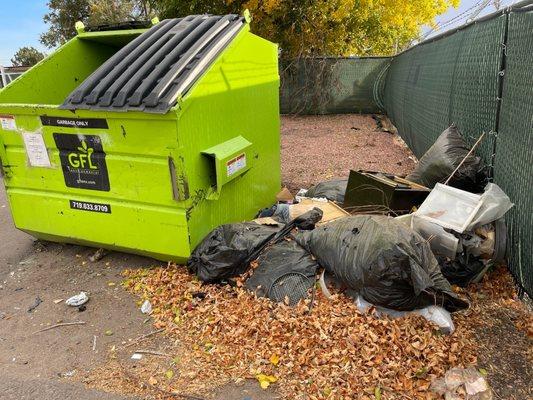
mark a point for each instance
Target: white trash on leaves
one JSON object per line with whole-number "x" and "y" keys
{"x": 146, "y": 307}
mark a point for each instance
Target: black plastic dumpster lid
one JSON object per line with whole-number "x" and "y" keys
{"x": 153, "y": 70}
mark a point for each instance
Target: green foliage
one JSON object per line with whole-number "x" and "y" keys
{"x": 62, "y": 16}
{"x": 110, "y": 11}
{"x": 27, "y": 57}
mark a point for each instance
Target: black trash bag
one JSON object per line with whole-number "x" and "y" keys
{"x": 383, "y": 260}
{"x": 331, "y": 190}
{"x": 438, "y": 163}
{"x": 227, "y": 251}
{"x": 224, "y": 253}
{"x": 463, "y": 270}
{"x": 285, "y": 269}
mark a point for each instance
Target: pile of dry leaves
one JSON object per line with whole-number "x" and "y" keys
{"x": 225, "y": 334}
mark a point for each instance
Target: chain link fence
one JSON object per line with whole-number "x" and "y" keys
{"x": 479, "y": 77}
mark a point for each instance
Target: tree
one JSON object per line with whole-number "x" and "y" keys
{"x": 62, "y": 16}
{"x": 326, "y": 27}
{"x": 27, "y": 57}
{"x": 110, "y": 11}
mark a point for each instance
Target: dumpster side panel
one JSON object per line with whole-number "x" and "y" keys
{"x": 133, "y": 207}
{"x": 237, "y": 97}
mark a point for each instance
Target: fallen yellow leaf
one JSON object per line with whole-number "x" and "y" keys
{"x": 274, "y": 359}
{"x": 265, "y": 380}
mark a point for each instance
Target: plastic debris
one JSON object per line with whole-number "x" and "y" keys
{"x": 450, "y": 207}
{"x": 457, "y": 380}
{"x": 228, "y": 250}
{"x": 77, "y": 300}
{"x": 441, "y": 242}
{"x": 333, "y": 190}
{"x": 146, "y": 307}
{"x": 285, "y": 271}
{"x": 438, "y": 315}
{"x": 494, "y": 205}
{"x": 136, "y": 356}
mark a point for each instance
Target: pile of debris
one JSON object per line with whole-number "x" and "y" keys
{"x": 399, "y": 264}
{"x": 381, "y": 244}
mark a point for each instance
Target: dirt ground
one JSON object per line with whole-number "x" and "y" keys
{"x": 317, "y": 148}
{"x": 53, "y": 363}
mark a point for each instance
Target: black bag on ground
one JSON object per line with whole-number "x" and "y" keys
{"x": 331, "y": 190}
{"x": 224, "y": 253}
{"x": 227, "y": 251}
{"x": 438, "y": 163}
{"x": 382, "y": 259}
{"x": 463, "y": 270}
{"x": 285, "y": 269}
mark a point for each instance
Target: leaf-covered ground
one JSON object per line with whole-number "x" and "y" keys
{"x": 224, "y": 334}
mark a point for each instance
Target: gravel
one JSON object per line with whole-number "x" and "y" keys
{"x": 323, "y": 147}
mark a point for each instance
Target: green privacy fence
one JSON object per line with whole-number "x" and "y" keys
{"x": 479, "y": 77}
{"x": 514, "y": 146}
{"x": 331, "y": 85}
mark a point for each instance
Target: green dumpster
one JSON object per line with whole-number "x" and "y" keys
{"x": 144, "y": 140}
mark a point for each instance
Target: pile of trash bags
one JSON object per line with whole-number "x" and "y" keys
{"x": 380, "y": 258}
{"x": 397, "y": 265}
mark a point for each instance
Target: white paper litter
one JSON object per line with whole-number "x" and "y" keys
{"x": 78, "y": 300}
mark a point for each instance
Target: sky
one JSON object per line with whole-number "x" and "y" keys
{"x": 22, "y": 23}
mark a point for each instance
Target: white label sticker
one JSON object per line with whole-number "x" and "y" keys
{"x": 8, "y": 122}
{"x": 36, "y": 149}
{"x": 236, "y": 164}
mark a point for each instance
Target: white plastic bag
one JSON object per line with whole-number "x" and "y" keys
{"x": 435, "y": 314}
{"x": 494, "y": 204}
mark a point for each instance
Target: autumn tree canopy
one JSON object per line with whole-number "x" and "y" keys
{"x": 325, "y": 27}
{"x": 301, "y": 27}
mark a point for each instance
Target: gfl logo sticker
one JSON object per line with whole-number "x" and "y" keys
{"x": 82, "y": 159}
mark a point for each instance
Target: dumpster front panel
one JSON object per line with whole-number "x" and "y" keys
{"x": 109, "y": 181}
